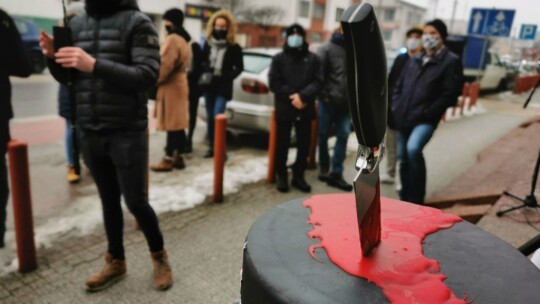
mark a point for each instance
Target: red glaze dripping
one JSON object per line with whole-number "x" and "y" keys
{"x": 397, "y": 264}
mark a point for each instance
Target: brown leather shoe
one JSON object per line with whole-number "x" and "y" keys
{"x": 113, "y": 271}
{"x": 178, "y": 162}
{"x": 162, "y": 270}
{"x": 165, "y": 165}
{"x": 72, "y": 177}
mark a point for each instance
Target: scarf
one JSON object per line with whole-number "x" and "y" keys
{"x": 217, "y": 53}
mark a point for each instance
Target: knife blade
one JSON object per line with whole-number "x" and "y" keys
{"x": 367, "y": 92}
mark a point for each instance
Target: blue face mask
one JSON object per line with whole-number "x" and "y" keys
{"x": 295, "y": 41}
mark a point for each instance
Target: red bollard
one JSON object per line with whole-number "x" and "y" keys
{"x": 465, "y": 92}
{"x": 220, "y": 149}
{"x": 22, "y": 205}
{"x": 474, "y": 93}
{"x": 272, "y": 142}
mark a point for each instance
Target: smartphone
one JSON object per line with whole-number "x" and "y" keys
{"x": 62, "y": 37}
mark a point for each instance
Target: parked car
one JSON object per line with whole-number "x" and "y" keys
{"x": 252, "y": 102}
{"x": 30, "y": 37}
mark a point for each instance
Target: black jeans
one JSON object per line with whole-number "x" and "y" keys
{"x": 303, "y": 141}
{"x": 4, "y": 186}
{"x": 118, "y": 163}
{"x": 193, "y": 107}
{"x": 176, "y": 141}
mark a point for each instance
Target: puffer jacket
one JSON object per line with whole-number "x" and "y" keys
{"x": 295, "y": 71}
{"x": 126, "y": 47}
{"x": 424, "y": 91}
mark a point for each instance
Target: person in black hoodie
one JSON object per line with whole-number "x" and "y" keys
{"x": 334, "y": 111}
{"x": 115, "y": 59}
{"x": 296, "y": 78}
{"x": 429, "y": 84}
{"x": 13, "y": 62}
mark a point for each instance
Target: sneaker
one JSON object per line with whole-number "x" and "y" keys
{"x": 178, "y": 162}
{"x": 301, "y": 184}
{"x": 162, "y": 270}
{"x": 387, "y": 179}
{"x": 72, "y": 177}
{"x": 113, "y": 271}
{"x": 166, "y": 165}
{"x": 336, "y": 180}
{"x": 282, "y": 183}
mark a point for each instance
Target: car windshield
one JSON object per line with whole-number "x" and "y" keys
{"x": 256, "y": 63}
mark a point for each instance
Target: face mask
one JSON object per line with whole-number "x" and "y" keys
{"x": 219, "y": 34}
{"x": 169, "y": 29}
{"x": 295, "y": 41}
{"x": 430, "y": 42}
{"x": 412, "y": 44}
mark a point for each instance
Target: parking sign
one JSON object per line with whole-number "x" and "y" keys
{"x": 527, "y": 32}
{"x": 491, "y": 22}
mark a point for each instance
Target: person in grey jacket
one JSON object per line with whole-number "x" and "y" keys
{"x": 295, "y": 77}
{"x": 334, "y": 111}
{"x": 115, "y": 59}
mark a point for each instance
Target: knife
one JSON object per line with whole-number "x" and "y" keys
{"x": 367, "y": 91}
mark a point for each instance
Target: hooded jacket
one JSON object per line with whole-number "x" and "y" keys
{"x": 332, "y": 55}
{"x": 125, "y": 44}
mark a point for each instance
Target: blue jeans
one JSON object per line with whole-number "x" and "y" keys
{"x": 68, "y": 139}
{"x": 328, "y": 116}
{"x": 215, "y": 104}
{"x": 412, "y": 170}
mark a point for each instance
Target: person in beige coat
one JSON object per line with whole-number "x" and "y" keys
{"x": 172, "y": 104}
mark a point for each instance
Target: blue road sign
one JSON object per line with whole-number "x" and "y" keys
{"x": 527, "y": 32}
{"x": 491, "y": 22}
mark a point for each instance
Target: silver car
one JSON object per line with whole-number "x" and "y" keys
{"x": 252, "y": 102}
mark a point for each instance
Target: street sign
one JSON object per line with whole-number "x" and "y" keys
{"x": 527, "y": 32}
{"x": 491, "y": 22}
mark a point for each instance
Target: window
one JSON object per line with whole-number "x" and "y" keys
{"x": 389, "y": 14}
{"x": 316, "y": 37}
{"x": 304, "y": 9}
{"x": 339, "y": 13}
{"x": 413, "y": 19}
{"x": 387, "y": 35}
{"x": 318, "y": 11}
{"x": 256, "y": 63}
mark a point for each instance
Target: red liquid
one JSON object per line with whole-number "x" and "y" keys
{"x": 397, "y": 264}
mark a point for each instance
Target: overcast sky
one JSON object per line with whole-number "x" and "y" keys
{"x": 526, "y": 10}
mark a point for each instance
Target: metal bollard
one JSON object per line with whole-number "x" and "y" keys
{"x": 272, "y": 142}
{"x": 220, "y": 150}
{"x": 22, "y": 205}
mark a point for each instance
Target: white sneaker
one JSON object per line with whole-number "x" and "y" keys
{"x": 387, "y": 179}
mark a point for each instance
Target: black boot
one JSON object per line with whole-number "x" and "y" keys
{"x": 336, "y": 180}
{"x": 323, "y": 174}
{"x": 282, "y": 183}
{"x": 299, "y": 183}
{"x": 209, "y": 154}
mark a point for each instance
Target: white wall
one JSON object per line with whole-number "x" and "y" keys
{"x": 38, "y": 8}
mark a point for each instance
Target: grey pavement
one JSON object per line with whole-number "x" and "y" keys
{"x": 205, "y": 242}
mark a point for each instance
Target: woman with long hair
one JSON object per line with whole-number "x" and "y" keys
{"x": 222, "y": 56}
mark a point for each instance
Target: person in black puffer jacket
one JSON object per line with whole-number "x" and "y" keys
{"x": 296, "y": 78}
{"x": 429, "y": 84}
{"x": 115, "y": 59}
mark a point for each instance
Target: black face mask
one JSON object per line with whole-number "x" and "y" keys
{"x": 169, "y": 29}
{"x": 102, "y": 7}
{"x": 219, "y": 34}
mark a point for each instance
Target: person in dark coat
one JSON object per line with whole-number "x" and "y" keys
{"x": 334, "y": 111}
{"x": 429, "y": 84}
{"x": 414, "y": 47}
{"x": 13, "y": 62}
{"x": 295, "y": 78}
{"x": 116, "y": 59}
{"x": 64, "y": 108}
{"x": 223, "y": 57}
{"x": 195, "y": 91}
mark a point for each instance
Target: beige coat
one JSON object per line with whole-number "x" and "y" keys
{"x": 172, "y": 104}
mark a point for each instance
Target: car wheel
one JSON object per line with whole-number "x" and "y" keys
{"x": 503, "y": 85}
